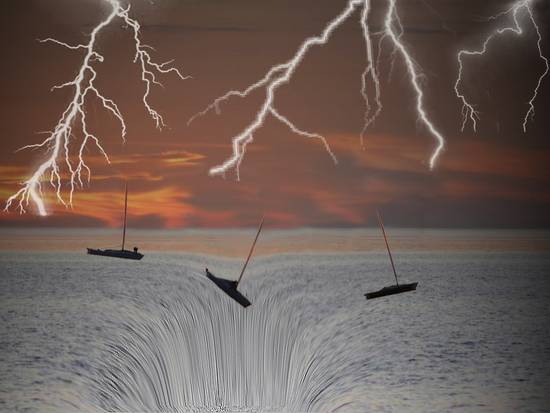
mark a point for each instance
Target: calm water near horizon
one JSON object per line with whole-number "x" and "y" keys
{"x": 235, "y": 242}
{"x": 92, "y": 334}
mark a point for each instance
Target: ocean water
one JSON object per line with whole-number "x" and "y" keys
{"x": 92, "y": 334}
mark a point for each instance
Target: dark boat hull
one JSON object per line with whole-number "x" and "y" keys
{"x": 392, "y": 289}
{"x": 230, "y": 288}
{"x": 130, "y": 255}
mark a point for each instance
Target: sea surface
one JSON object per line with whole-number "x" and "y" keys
{"x": 81, "y": 333}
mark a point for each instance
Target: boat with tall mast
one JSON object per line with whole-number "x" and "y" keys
{"x": 121, "y": 253}
{"x": 392, "y": 289}
{"x": 230, "y": 286}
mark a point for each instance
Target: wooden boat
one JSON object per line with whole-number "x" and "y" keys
{"x": 392, "y": 289}
{"x": 230, "y": 286}
{"x": 121, "y": 253}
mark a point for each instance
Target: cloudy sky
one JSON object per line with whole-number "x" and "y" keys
{"x": 496, "y": 177}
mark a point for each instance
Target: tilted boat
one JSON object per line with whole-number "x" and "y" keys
{"x": 230, "y": 286}
{"x": 392, "y": 289}
{"x": 121, "y": 253}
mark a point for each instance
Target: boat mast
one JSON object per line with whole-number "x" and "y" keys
{"x": 251, "y": 250}
{"x": 387, "y": 245}
{"x": 125, "y": 210}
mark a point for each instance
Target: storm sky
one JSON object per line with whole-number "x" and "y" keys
{"x": 497, "y": 177}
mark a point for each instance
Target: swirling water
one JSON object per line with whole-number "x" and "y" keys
{"x": 93, "y": 334}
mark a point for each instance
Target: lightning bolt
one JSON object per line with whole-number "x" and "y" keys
{"x": 469, "y": 114}
{"x": 57, "y": 146}
{"x": 414, "y": 77}
{"x": 281, "y": 74}
{"x": 370, "y": 70}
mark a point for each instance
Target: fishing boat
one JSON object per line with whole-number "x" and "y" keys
{"x": 392, "y": 289}
{"x": 230, "y": 286}
{"x": 120, "y": 253}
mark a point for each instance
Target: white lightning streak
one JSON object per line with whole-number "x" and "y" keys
{"x": 373, "y": 71}
{"x": 275, "y": 78}
{"x": 281, "y": 74}
{"x": 469, "y": 114}
{"x": 414, "y": 78}
{"x": 57, "y": 144}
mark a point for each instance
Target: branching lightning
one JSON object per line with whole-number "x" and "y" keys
{"x": 469, "y": 114}
{"x": 58, "y": 143}
{"x": 372, "y": 70}
{"x": 414, "y": 78}
{"x": 281, "y": 74}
